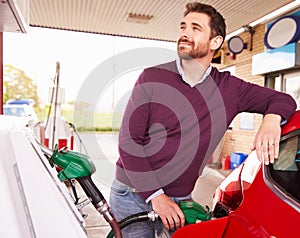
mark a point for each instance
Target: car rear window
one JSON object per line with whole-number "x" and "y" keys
{"x": 14, "y": 111}
{"x": 285, "y": 172}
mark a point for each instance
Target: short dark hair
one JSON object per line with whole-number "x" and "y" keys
{"x": 217, "y": 22}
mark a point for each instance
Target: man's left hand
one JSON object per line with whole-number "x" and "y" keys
{"x": 267, "y": 139}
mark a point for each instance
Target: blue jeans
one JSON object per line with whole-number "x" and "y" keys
{"x": 125, "y": 202}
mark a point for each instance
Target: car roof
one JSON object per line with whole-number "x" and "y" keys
{"x": 16, "y": 105}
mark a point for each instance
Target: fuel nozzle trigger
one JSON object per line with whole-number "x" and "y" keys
{"x": 193, "y": 211}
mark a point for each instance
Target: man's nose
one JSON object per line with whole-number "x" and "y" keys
{"x": 184, "y": 34}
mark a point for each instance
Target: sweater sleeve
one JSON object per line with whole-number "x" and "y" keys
{"x": 263, "y": 100}
{"x": 134, "y": 167}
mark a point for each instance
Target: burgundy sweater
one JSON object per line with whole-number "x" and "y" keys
{"x": 170, "y": 129}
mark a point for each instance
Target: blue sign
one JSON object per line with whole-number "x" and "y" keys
{"x": 283, "y": 31}
{"x": 285, "y": 57}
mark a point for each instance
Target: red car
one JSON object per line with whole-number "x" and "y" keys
{"x": 256, "y": 200}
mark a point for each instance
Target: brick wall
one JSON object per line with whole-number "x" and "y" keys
{"x": 236, "y": 139}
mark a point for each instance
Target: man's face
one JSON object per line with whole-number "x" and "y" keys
{"x": 194, "y": 37}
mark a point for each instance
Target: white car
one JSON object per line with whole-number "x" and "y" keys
{"x": 24, "y": 111}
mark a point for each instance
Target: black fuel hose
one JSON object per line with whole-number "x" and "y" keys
{"x": 116, "y": 230}
{"x": 90, "y": 189}
{"x": 100, "y": 203}
{"x": 138, "y": 217}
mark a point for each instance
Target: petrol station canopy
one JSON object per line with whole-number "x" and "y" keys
{"x": 148, "y": 19}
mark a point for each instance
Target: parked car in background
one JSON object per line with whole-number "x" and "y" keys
{"x": 258, "y": 200}
{"x": 23, "y": 111}
{"x": 24, "y": 101}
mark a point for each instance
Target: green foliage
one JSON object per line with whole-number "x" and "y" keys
{"x": 18, "y": 85}
{"x": 97, "y": 122}
{"x": 88, "y": 121}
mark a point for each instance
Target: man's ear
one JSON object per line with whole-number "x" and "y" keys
{"x": 216, "y": 42}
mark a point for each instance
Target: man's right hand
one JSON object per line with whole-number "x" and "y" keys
{"x": 169, "y": 212}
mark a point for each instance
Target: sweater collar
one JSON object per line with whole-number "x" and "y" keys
{"x": 181, "y": 72}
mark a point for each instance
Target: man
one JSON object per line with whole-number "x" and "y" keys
{"x": 175, "y": 118}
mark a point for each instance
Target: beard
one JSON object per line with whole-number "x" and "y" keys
{"x": 192, "y": 52}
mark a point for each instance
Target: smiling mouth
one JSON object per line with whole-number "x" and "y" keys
{"x": 184, "y": 43}
{"x": 184, "y": 46}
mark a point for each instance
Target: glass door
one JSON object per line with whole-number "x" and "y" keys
{"x": 291, "y": 85}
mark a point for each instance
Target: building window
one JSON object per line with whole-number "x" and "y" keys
{"x": 292, "y": 86}
{"x": 286, "y": 82}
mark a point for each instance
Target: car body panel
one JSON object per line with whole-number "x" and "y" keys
{"x": 260, "y": 200}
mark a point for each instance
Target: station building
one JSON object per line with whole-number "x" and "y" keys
{"x": 267, "y": 54}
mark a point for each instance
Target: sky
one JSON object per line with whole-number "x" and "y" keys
{"x": 37, "y": 51}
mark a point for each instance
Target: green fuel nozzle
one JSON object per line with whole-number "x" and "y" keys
{"x": 74, "y": 165}
{"x": 193, "y": 211}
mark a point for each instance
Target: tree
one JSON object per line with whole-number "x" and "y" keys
{"x": 18, "y": 85}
